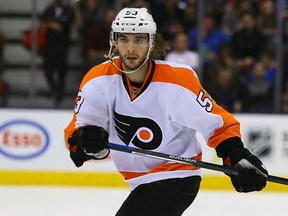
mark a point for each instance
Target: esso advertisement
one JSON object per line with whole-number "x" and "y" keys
{"x": 23, "y": 139}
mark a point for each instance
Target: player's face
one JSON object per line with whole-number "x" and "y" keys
{"x": 132, "y": 49}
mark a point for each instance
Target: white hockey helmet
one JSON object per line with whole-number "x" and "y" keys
{"x": 134, "y": 20}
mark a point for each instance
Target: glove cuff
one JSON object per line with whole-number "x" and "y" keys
{"x": 227, "y": 146}
{"x": 78, "y": 156}
{"x": 102, "y": 154}
{"x": 236, "y": 155}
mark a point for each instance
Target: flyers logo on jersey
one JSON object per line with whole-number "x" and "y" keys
{"x": 142, "y": 132}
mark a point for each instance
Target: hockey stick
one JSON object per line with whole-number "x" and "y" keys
{"x": 183, "y": 160}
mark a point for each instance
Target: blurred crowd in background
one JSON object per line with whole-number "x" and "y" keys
{"x": 238, "y": 63}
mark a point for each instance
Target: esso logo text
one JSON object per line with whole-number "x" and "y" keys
{"x": 23, "y": 139}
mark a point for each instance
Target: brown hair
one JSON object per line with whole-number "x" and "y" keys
{"x": 161, "y": 47}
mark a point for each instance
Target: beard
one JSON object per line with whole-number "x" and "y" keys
{"x": 131, "y": 66}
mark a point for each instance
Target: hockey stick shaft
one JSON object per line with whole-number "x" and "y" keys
{"x": 188, "y": 161}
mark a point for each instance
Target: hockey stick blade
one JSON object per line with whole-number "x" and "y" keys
{"x": 189, "y": 161}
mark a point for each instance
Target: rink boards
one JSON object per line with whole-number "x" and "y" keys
{"x": 33, "y": 152}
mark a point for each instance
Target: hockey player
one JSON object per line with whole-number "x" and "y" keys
{"x": 135, "y": 100}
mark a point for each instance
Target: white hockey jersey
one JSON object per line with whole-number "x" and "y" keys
{"x": 162, "y": 115}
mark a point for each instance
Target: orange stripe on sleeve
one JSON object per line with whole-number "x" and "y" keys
{"x": 231, "y": 128}
{"x": 68, "y": 131}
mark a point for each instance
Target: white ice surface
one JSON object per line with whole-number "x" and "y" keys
{"x": 73, "y": 201}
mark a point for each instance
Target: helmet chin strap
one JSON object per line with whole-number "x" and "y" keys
{"x": 111, "y": 54}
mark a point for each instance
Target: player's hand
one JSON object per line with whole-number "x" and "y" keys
{"x": 252, "y": 175}
{"x": 94, "y": 141}
{"x": 88, "y": 142}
